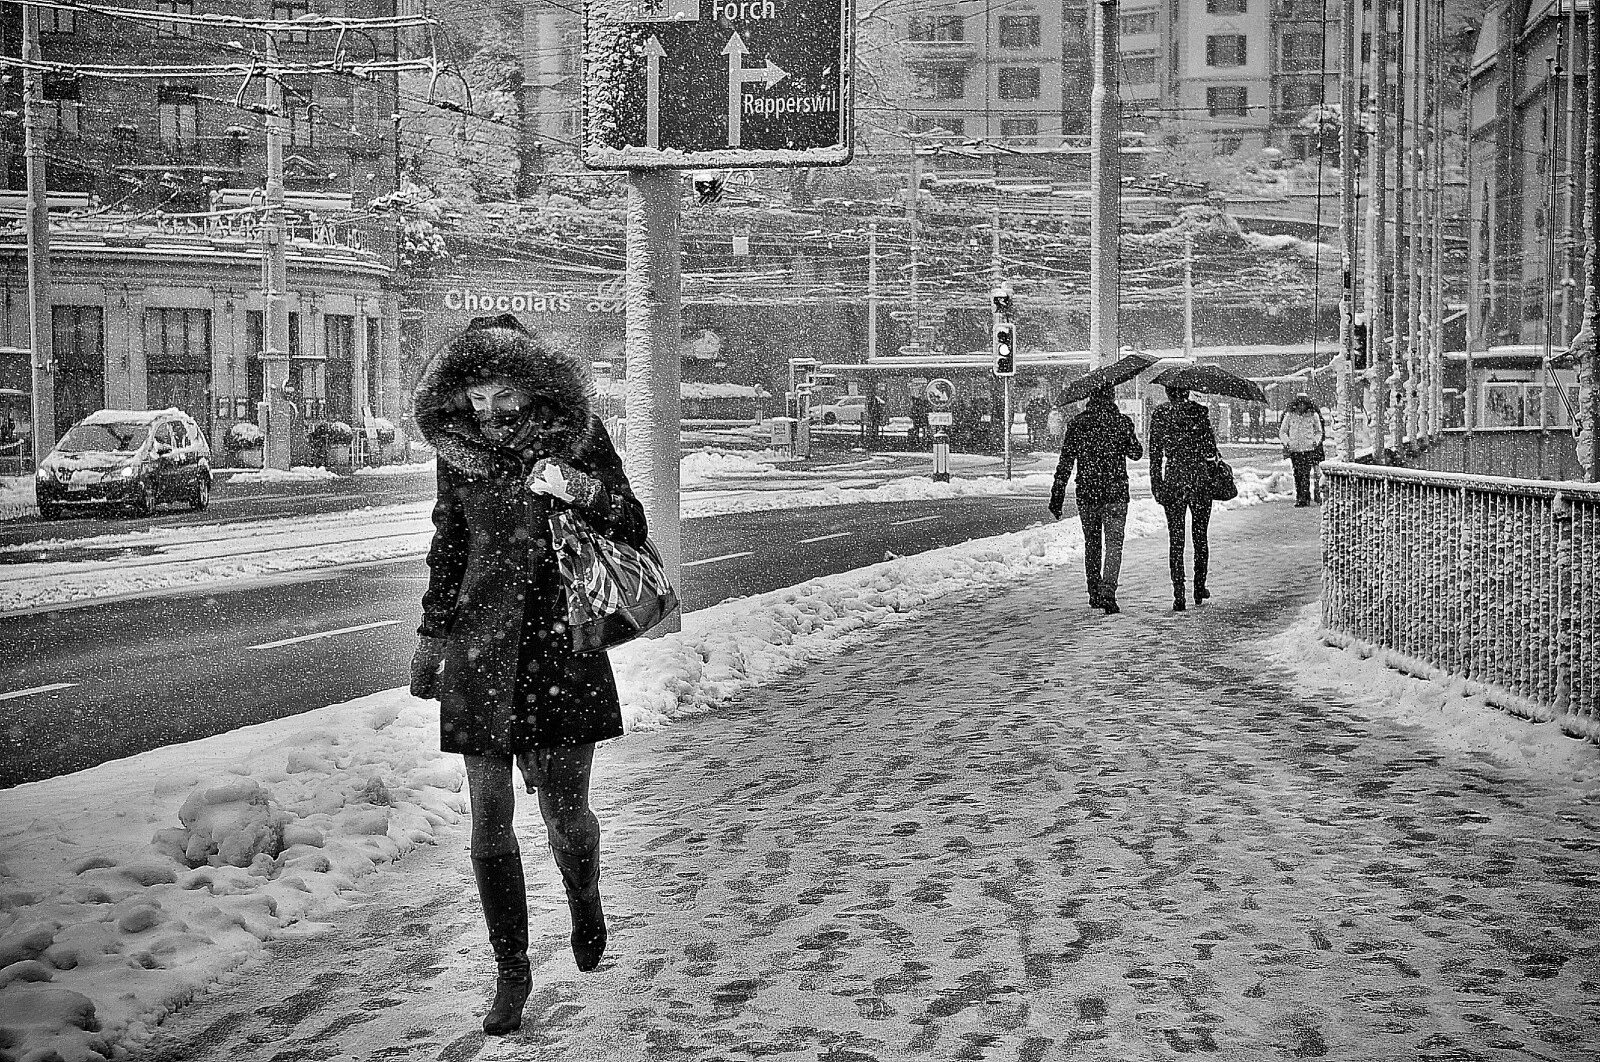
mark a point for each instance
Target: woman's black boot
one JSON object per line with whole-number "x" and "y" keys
{"x": 504, "y": 895}
{"x": 580, "y": 874}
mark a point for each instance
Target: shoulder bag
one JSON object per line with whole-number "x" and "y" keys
{"x": 1216, "y": 480}
{"x": 614, "y": 592}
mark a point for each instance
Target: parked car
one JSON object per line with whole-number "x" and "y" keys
{"x": 126, "y": 458}
{"x": 849, "y": 409}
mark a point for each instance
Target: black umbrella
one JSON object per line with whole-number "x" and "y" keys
{"x": 1211, "y": 380}
{"x": 1122, "y": 370}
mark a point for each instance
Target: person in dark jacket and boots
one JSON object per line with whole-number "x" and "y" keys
{"x": 1181, "y": 443}
{"x": 502, "y": 406}
{"x": 1100, "y": 442}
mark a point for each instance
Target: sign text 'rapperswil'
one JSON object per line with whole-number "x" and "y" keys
{"x": 739, "y": 83}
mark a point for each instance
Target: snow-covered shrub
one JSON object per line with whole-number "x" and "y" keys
{"x": 244, "y": 436}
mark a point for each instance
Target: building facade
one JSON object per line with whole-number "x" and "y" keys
{"x": 157, "y": 204}
{"x": 1527, "y": 126}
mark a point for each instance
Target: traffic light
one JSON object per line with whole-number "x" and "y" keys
{"x": 1000, "y": 299}
{"x": 1005, "y": 349}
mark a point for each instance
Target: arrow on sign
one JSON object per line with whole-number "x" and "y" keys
{"x": 653, "y": 53}
{"x": 768, "y": 74}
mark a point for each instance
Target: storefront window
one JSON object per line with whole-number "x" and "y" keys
{"x": 177, "y": 356}
{"x": 79, "y": 347}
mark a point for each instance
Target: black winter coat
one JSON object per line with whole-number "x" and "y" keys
{"x": 511, "y": 682}
{"x": 1099, "y": 442}
{"x": 1181, "y": 442}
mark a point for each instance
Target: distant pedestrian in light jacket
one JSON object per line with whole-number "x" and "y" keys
{"x": 1301, "y": 433}
{"x": 501, "y": 406}
{"x": 1181, "y": 444}
{"x": 1099, "y": 444}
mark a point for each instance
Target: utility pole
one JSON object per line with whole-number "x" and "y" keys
{"x": 1378, "y": 256}
{"x": 276, "y": 403}
{"x": 1586, "y": 346}
{"x": 872, "y": 292}
{"x": 1105, "y": 190}
{"x": 1570, "y": 215}
{"x": 654, "y": 334}
{"x": 1437, "y": 87}
{"x": 1417, "y": 219}
{"x": 1397, "y": 264}
{"x": 1469, "y": 412}
{"x": 1344, "y": 445}
{"x": 40, "y": 327}
{"x": 1188, "y": 295}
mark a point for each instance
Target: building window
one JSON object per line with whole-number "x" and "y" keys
{"x": 1301, "y": 95}
{"x": 288, "y": 10}
{"x": 300, "y": 110}
{"x": 1227, "y": 101}
{"x": 175, "y": 29}
{"x": 177, "y": 358}
{"x": 1137, "y": 23}
{"x": 1019, "y": 83}
{"x": 78, "y": 344}
{"x": 939, "y": 125}
{"x": 1019, "y": 31}
{"x": 1225, "y": 49}
{"x": 61, "y": 105}
{"x": 1139, "y": 69}
{"x": 374, "y": 366}
{"x": 1302, "y": 51}
{"x": 938, "y": 28}
{"x": 1228, "y": 144}
{"x": 944, "y": 83}
{"x": 339, "y": 332}
{"x": 175, "y": 104}
{"x": 1020, "y": 130}
{"x": 255, "y": 372}
{"x": 54, "y": 20}
{"x": 1225, "y": 7}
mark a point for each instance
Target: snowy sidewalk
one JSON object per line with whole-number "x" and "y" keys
{"x": 1010, "y": 828}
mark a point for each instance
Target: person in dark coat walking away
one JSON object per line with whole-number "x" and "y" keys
{"x": 1181, "y": 444}
{"x": 873, "y": 419}
{"x": 1301, "y": 433}
{"x": 501, "y": 405}
{"x": 1099, "y": 443}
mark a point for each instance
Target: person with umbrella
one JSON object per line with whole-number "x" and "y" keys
{"x": 1181, "y": 442}
{"x": 1099, "y": 443}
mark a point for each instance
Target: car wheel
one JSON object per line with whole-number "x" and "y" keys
{"x": 829, "y": 418}
{"x": 143, "y": 503}
{"x": 201, "y": 497}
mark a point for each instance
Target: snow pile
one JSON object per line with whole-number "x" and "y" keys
{"x": 398, "y": 470}
{"x": 126, "y": 889}
{"x": 297, "y": 474}
{"x": 702, "y": 465}
{"x": 17, "y": 498}
{"x": 701, "y": 391}
{"x": 1449, "y": 711}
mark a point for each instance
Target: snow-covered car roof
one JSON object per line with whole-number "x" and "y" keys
{"x": 133, "y": 416}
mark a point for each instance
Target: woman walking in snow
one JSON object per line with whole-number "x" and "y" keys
{"x": 1181, "y": 444}
{"x": 510, "y": 416}
{"x": 1301, "y": 433}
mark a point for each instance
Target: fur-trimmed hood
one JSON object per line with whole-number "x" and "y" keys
{"x": 500, "y": 348}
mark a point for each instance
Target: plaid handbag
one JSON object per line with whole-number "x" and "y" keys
{"x": 614, "y": 592}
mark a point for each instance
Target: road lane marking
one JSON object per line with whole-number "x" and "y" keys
{"x": 36, "y": 689}
{"x": 713, "y": 560}
{"x": 915, "y": 520}
{"x": 325, "y": 634}
{"x": 824, "y": 538}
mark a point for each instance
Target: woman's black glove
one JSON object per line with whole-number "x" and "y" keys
{"x": 425, "y": 665}
{"x": 558, "y": 479}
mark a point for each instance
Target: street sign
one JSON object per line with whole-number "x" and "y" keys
{"x": 941, "y": 393}
{"x": 691, "y": 83}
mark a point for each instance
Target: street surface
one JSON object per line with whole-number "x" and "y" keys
{"x": 1006, "y": 828}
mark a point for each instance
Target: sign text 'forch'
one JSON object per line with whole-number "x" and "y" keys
{"x": 739, "y": 83}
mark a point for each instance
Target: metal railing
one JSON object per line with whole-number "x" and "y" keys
{"x": 1495, "y": 581}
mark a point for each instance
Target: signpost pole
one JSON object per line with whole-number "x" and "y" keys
{"x": 1105, "y": 189}
{"x": 654, "y": 332}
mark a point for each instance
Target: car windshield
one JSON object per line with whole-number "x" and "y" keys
{"x": 115, "y": 438}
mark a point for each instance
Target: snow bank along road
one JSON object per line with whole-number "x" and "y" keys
{"x": 1009, "y": 828}
{"x": 89, "y": 684}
